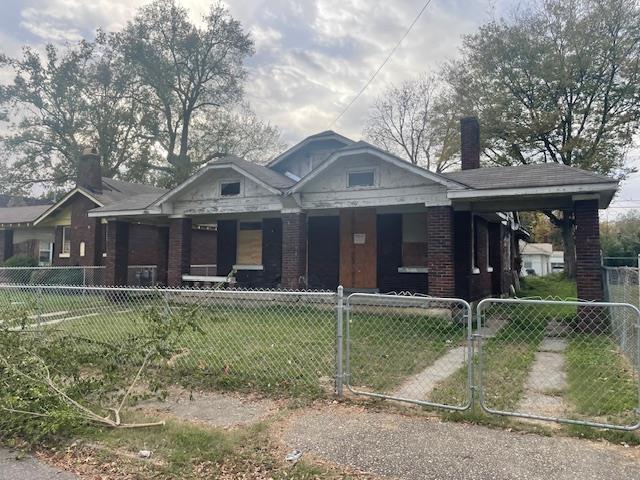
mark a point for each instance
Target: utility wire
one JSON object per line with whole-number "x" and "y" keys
{"x": 375, "y": 74}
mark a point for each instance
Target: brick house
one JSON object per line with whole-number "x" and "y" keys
{"x": 75, "y": 239}
{"x": 331, "y": 211}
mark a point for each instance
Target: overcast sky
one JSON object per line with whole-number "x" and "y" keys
{"x": 312, "y": 56}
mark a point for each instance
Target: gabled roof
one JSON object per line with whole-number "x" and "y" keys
{"x": 365, "y": 147}
{"x": 527, "y": 176}
{"x": 21, "y": 215}
{"x": 136, "y": 203}
{"x": 326, "y": 135}
{"x": 273, "y": 181}
{"x": 112, "y": 191}
{"x": 536, "y": 248}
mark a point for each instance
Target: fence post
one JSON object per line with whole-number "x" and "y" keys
{"x": 39, "y": 299}
{"x": 339, "y": 344}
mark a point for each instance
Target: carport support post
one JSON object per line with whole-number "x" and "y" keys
{"x": 340, "y": 343}
{"x": 117, "y": 253}
{"x": 179, "y": 250}
{"x": 294, "y": 249}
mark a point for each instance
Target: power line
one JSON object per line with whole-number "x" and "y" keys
{"x": 375, "y": 74}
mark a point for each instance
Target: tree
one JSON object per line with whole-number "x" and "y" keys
{"x": 556, "y": 82}
{"x": 58, "y": 104}
{"x": 621, "y": 239}
{"x": 236, "y": 131}
{"x": 409, "y": 120}
{"x": 185, "y": 70}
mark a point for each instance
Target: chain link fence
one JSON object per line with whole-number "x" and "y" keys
{"x": 267, "y": 341}
{"x": 565, "y": 361}
{"x": 414, "y": 349}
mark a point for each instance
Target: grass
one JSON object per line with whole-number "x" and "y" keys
{"x": 601, "y": 382}
{"x": 386, "y": 349}
{"x": 556, "y": 286}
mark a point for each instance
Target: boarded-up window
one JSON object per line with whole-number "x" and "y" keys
{"x": 249, "y": 243}
{"x": 414, "y": 240}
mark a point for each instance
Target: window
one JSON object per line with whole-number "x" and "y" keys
{"x": 475, "y": 235}
{"x": 82, "y": 249}
{"x": 249, "y": 250}
{"x": 361, "y": 179}
{"x": 44, "y": 253}
{"x": 104, "y": 239}
{"x": 229, "y": 189}
{"x": 528, "y": 264}
{"x": 66, "y": 241}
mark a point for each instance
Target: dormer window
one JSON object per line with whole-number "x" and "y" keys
{"x": 361, "y": 178}
{"x": 229, "y": 189}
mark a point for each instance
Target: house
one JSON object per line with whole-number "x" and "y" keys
{"x": 332, "y": 211}
{"x": 536, "y": 259}
{"x": 69, "y": 237}
{"x": 557, "y": 261}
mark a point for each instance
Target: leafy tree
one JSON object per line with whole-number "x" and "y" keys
{"x": 558, "y": 81}
{"x": 236, "y": 131}
{"x": 185, "y": 70}
{"x": 410, "y": 121}
{"x": 621, "y": 238}
{"x": 62, "y": 101}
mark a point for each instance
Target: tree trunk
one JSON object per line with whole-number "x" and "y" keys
{"x": 569, "y": 243}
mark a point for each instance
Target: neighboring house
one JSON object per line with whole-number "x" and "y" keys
{"x": 74, "y": 239}
{"x": 536, "y": 259}
{"x": 19, "y": 236}
{"x": 331, "y": 211}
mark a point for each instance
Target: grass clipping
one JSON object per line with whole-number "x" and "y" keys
{"x": 55, "y": 380}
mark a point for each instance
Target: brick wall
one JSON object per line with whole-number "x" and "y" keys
{"x": 588, "y": 273}
{"x": 294, "y": 250}
{"x": 84, "y": 230}
{"x": 203, "y": 247}
{"x": 179, "y": 250}
{"x": 440, "y": 251}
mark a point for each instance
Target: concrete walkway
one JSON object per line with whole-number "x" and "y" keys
{"x": 417, "y": 448}
{"x": 28, "y": 469}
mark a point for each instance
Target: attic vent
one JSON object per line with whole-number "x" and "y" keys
{"x": 292, "y": 176}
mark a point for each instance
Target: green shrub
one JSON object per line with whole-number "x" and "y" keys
{"x": 21, "y": 260}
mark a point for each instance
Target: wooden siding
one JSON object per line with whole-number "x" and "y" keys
{"x": 358, "y": 262}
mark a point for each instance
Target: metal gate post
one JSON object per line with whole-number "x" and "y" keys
{"x": 339, "y": 343}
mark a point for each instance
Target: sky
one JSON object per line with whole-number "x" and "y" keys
{"x": 312, "y": 56}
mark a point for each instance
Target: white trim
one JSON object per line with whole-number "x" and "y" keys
{"x": 122, "y": 213}
{"x": 413, "y": 270}
{"x": 58, "y": 204}
{"x": 307, "y": 141}
{"x": 523, "y": 191}
{"x": 490, "y": 269}
{"x": 64, "y": 255}
{"x": 475, "y": 271}
{"x": 248, "y": 267}
{"x": 291, "y": 210}
{"x": 374, "y": 172}
{"x": 392, "y": 159}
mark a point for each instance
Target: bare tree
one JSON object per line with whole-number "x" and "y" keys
{"x": 408, "y": 120}
{"x": 238, "y": 131}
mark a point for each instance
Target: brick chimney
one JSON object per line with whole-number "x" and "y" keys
{"x": 89, "y": 171}
{"x": 469, "y": 143}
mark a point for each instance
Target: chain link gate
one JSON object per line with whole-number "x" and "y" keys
{"x": 413, "y": 349}
{"x": 570, "y": 362}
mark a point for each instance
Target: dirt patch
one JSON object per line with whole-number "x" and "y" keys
{"x": 223, "y": 410}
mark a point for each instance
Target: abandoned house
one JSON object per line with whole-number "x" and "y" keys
{"x": 331, "y": 211}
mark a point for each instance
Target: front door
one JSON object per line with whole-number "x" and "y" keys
{"x": 323, "y": 252}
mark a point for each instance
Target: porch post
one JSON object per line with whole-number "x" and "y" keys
{"x": 440, "y": 248}
{"x": 117, "y": 253}
{"x": 6, "y": 245}
{"x": 163, "y": 255}
{"x": 588, "y": 271}
{"x": 294, "y": 250}
{"x": 179, "y": 261}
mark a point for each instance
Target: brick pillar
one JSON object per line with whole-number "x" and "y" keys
{"x": 6, "y": 245}
{"x": 589, "y": 269}
{"x": 294, "y": 250}
{"x": 163, "y": 255}
{"x": 179, "y": 261}
{"x": 440, "y": 247}
{"x": 117, "y": 253}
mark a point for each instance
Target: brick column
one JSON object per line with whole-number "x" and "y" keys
{"x": 117, "y": 259}
{"x": 440, "y": 247}
{"x": 179, "y": 261}
{"x": 294, "y": 250}
{"x": 6, "y": 245}
{"x": 588, "y": 262}
{"x": 163, "y": 255}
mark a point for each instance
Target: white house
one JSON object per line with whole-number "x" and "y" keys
{"x": 536, "y": 258}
